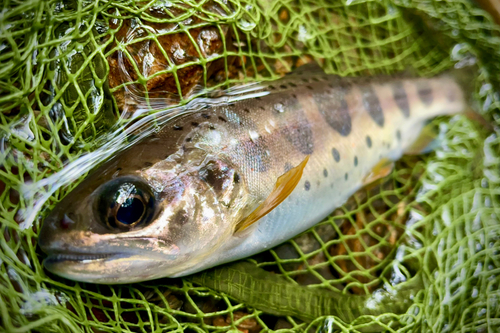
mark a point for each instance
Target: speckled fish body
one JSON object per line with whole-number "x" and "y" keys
{"x": 206, "y": 171}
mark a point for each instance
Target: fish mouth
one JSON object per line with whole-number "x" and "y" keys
{"x": 61, "y": 257}
{"x": 109, "y": 268}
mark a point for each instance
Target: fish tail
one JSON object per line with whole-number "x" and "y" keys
{"x": 467, "y": 78}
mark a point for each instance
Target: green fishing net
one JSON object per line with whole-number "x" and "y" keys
{"x": 73, "y": 71}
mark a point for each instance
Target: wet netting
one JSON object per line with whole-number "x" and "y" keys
{"x": 72, "y": 71}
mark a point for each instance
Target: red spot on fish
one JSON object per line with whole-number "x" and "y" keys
{"x": 66, "y": 222}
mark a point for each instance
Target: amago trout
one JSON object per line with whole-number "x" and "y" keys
{"x": 236, "y": 179}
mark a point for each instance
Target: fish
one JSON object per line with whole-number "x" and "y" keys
{"x": 235, "y": 179}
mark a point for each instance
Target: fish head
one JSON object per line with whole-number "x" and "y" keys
{"x": 126, "y": 222}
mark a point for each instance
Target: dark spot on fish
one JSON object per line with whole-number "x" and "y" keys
{"x": 293, "y": 85}
{"x": 315, "y": 79}
{"x": 206, "y": 116}
{"x": 301, "y": 137}
{"x": 258, "y": 98}
{"x": 222, "y": 119}
{"x": 330, "y": 85}
{"x": 398, "y": 135}
{"x": 451, "y": 95}
{"x": 194, "y": 124}
{"x": 400, "y": 97}
{"x": 368, "y": 141}
{"x": 215, "y": 175}
{"x": 288, "y": 166}
{"x": 148, "y": 164}
{"x": 246, "y": 110}
{"x": 305, "y": 80}
{"x": 355, "y": 161}
{"x": 181, "y": 218}
{"x": 425, "y": 93}
{"x": 372, "y": 105}
{"x": 283, "y": 86}
{"x": 188, "y": 139}
{"x": 271, "y": 87}
{"x": 310, "y": 88}
{"x": 336, "y": 155}
{"x": 236, "y": 178}
{"x": 346, "y": 176}
{"x": 178, "y": 128}
{"x": 336, "y": 113}
{"x": 325, "y": 173}
{"x": 118, "y": 169}
{"x": 298, "y": 132}
{"x": 262, "y": 108}
{"x": 307, "y": 185}
{"x": 294, "y": 96}
{"x": 212, "y": 128}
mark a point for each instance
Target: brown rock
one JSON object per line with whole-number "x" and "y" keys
{"x": 158, "y": 56}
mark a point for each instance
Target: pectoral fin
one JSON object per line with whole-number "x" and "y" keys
{"x": 285, "y": 184}
{"x": 382, "y": 169}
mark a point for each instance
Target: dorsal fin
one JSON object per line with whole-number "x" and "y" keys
{"x": 284, "y": 186}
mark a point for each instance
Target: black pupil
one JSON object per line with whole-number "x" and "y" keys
{"x": 130, "y": 211}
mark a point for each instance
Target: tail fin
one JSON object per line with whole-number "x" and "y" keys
{"x": 467, "y": 78}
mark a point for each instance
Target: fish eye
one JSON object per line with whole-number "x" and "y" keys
{"x": 125, "y": 203}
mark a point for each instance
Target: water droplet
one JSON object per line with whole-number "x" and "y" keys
{"x": 245, "y": 25}
{"x": 279, "y": 107}
{"x": 303, "y": 35}
{"x": 253, "y": 135}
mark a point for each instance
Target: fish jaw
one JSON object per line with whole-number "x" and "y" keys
{"x": 109, "y": 269}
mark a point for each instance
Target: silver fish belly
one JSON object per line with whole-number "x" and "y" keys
{"x": 173, "y": 204}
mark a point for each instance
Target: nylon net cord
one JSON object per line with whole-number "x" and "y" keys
{"x": 72, "y": 71}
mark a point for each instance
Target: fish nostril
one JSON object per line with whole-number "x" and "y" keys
{"x": 66, "y": 222}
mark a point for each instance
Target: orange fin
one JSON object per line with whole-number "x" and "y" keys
{"x": 285, "y": 184}
{"x": 382, "y": 169}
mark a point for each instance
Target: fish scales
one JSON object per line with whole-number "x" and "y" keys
{"x": 209, "y": 170}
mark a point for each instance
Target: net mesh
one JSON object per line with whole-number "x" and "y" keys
{"x": 72, "y": 70}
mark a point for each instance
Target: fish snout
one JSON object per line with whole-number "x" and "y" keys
{"x": 54, "y": 227}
